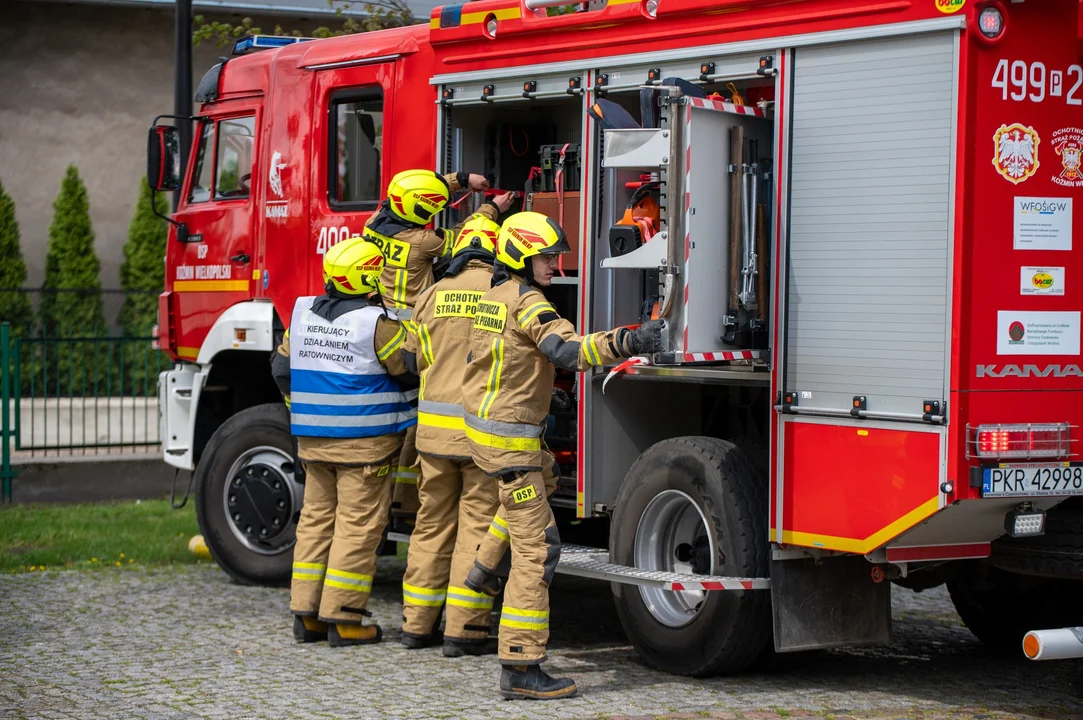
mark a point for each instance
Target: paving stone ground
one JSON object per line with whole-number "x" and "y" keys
{"x": 186, "y": 643}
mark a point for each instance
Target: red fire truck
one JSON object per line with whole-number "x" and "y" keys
{"x": 855, "y": 218}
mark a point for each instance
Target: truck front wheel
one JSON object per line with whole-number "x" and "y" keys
{"x": 247, "y": 497}
{"x": 693, "y": 505}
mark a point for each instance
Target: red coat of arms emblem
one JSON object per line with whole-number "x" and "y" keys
{"x": 1015, "y": 152}
{"x": 1068, "y": 144}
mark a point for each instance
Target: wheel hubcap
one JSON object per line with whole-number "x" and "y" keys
{"x": 261, "y": 498}
{"x": 673, "y": 536}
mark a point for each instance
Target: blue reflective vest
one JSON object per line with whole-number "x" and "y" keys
{"x": 338, "y": 388}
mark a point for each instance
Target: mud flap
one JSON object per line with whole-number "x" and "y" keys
{"x": 833, "y": 603}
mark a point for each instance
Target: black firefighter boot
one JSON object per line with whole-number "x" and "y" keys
{"x": 457, "y": 647}
{"x": 410, "y": 641}
{"x": 533, "y": 683}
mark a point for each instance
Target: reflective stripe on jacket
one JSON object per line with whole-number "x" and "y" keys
{"x": 443, "y": 318}
{"x": 516, "y": 342}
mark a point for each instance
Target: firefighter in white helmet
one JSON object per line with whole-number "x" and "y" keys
{"x": 516, "y": 341}
{"x": 410, "y": 247}
{"x": 350, "y": 400}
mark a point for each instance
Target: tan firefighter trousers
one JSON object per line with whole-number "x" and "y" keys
{"x": 404, "y": 501}
{"x": 535, "y": 551}
{"x": 456, "y": 529}
{"x": 458, "y": 501}
{"x": 342, "y": 522}
{"x": 492, "y": 552}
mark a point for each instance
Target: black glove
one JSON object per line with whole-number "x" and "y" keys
{"x": 560, "y": 401}
{"x": 644, "y": 340}
{"x": 440, "y": 267}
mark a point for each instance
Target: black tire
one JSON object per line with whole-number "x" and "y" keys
{"x": 1001, "y": 607}
{"x": 731, "y": 629}
{"x": 1058, "y": 553}
{"x": 262, "y": 425}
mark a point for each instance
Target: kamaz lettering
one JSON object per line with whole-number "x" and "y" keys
{"x": 1058, "y": 371}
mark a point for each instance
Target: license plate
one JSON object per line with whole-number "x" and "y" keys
{"x": 1033, "y": 480}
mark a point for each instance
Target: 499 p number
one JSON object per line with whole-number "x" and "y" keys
{"x": 1021, "y": 81}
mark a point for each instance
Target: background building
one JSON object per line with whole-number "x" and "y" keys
{"x": 81, "y": 81}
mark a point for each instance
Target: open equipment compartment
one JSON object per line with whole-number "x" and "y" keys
{"x": 516, "y": 143}
{"x": 513, "y": 130}
{"x": 709, "y": 244}
{"x": 526, "y": 142}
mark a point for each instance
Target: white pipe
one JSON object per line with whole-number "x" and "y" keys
{"x": 1061, "y": 644}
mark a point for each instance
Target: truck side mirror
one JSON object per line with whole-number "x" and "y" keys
{"x": 163, "y": 158}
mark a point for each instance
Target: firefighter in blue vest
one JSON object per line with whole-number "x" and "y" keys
{"x": 349, "y": 395}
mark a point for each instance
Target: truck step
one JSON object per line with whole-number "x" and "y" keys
{"x": 591, "y": 562}
{"x": 594, "y": 563}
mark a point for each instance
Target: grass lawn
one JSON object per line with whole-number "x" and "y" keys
{"x": 127, "y": 533}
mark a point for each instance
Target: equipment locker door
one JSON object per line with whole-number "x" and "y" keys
{"x": 868, "y": 274}
{"x": 866, "y": 287}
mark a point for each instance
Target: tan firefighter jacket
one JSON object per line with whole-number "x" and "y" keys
{"x": 390, "y": 336}
{"x": 443, "y": 317}
{"x": 409, "y": 252}
{"x": 516, "y": 340}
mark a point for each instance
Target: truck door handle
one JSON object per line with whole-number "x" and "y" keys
{"x": 241, "y": 258}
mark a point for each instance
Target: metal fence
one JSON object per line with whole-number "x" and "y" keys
{"x": 68, "y": 392}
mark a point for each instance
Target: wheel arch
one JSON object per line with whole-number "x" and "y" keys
{"x": 626, "y": 422}
{"x": 238, "y": 372}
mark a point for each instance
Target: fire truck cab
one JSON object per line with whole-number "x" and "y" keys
{"x": 856, "y": 221}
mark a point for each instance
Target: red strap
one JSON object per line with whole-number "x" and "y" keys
{"x": 623, "y": 368}
{"x": 489, "y": 192}
{"x": 559, "y": 181}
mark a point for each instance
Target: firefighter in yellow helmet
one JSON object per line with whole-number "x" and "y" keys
{"x": 410, "y": 247}
{"x": 351, "y": 400}
{"x": 458, "y": 501}
{"x": 516, "y": 341}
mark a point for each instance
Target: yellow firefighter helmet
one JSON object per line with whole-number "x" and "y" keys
{"x": 526, "y": 234}
{"x": 353, "y": 267}
{"x": 479, "y": 235}
{"x": 417, "y": 195}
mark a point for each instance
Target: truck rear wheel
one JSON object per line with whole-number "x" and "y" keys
{"x": 1001, "y": 607}
{"x": 247, "y": 497}
{"x": 693, "y": 505}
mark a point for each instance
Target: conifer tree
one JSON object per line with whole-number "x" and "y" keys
{"x": 15, "y": 306}
{"x": 72, "y": 265}
{"x": 142, "y": 274}
{"x": 71, "y": 304}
